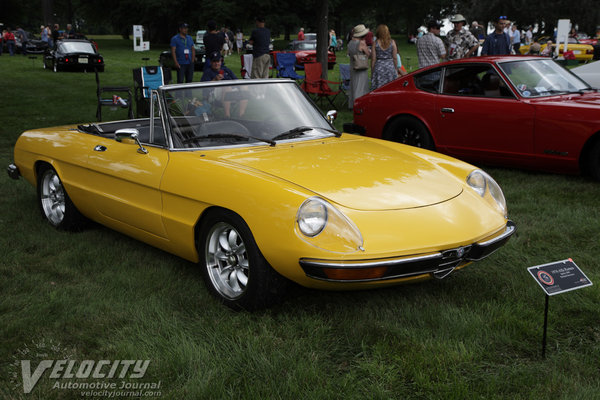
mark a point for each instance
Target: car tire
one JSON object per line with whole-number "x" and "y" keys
{"x": 410, "y": 131}
{"x": 593, "y": 160}
{"x": 233, "y": 267}
{"x": 55, "y": 204}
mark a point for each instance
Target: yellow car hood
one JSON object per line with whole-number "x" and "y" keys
{"x": 355, "y": 173}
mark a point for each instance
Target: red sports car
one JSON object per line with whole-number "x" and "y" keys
{"x": 526, "y": 112}
{"x": 306, "y": 52}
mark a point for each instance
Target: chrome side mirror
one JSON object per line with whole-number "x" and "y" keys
{"x": 331, "y": 116}
{"x": 130, "y": 133}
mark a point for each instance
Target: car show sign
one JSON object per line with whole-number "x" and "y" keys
{"x": 559, "y": 277}
{"x": 555, "y": 278}
{"x": 138, "y": 39}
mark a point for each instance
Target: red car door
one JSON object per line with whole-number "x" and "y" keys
{"x": 479, "y": 118}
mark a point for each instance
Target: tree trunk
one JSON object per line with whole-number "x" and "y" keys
{"x": 323, "y": 37}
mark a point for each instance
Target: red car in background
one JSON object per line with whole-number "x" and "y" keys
{"x": 526, "y": 112}
{"x": 306, "y": 52}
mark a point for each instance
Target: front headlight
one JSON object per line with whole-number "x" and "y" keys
{"x": 312, "y": 217}
{"x": 324, "y": 226}
{"x": 486, "y": 187}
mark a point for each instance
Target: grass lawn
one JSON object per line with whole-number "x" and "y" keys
{"x": 98, "y": 295}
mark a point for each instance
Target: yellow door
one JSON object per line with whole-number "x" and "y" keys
{"x": 127, "y": 184}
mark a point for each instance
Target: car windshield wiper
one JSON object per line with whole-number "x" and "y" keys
{"x": 552, "y": 91}
{"x": 584, "y": 90}
{"x": 301, "y": 129}
{"x": 228, "y": 136}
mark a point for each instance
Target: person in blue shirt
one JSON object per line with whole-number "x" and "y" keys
{"x": 217, "y": 70}
{"x": 184, "y": 54}
{"x": 497, "y": 42}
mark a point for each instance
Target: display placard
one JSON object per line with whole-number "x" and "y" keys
{"x": 559, "y": 277}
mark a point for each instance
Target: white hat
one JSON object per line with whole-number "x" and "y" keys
{"x": 458, "y": 18}
{"x": 360, "y": 30}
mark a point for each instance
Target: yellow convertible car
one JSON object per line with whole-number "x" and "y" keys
{"x": 250, "y": 180}
{"x": 581, "y": 52}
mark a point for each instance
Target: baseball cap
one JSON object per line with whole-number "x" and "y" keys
{"x": 434, "y": 24}
{"x": 183, "y": 25}
{"x": 214, "y": 56}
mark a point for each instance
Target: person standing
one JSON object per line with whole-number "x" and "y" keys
{"x": 515, "y": 38}
{"x": 301, "y": 34}
{"x": 430, "y": 48}
{"x": 9, "y": 38}
{"x": 477, "y": 30}
{"x": 213, "y": 41}
{"x": 332, "y": 41}
{"x": 239, "y": 40}
{"x": 497, "y": 42}
{"x": 20, "y": 33}
{"x": 69, "y": 32}
{"x": 55, "y": 35}
{"x": 359, "y": 76}
{"x": 260, "y": 40}
{"x": 384, "y": 68}
{"x": 461, "y": 42}
{"x": 529, "y": 36}
{"x": 184, "y": 54}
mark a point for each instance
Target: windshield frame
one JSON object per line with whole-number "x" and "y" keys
{"x": 322, "y": 125}
{"x": 534, "y": 92}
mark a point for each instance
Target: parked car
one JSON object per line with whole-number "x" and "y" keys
{"x": 32, "y": 46}
{"x": 584, "y": 38}
{"x": 306, "y": 52}
{"x": 589, "y": 72}
{"x": 73, "y": 54}
{"x": 582, "y": 52}
{"x": 526, "y": 112}
{"x": 248, "y": 178}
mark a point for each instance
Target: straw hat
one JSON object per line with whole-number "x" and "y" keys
{"x": 360, "y": 30}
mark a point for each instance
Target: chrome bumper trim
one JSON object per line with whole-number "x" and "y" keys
{"x": 435, "y": 263}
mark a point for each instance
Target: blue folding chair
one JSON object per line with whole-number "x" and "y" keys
{"x": 285, "y": 66}
{"x": 345, "y": 81}
{"x": 145, "y": 79}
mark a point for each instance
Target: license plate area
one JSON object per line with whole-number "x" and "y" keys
{"x": 83, "y": 60}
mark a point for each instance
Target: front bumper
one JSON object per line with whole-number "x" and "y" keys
{"x": 439, "y": 264}
{"x": 13, "y": 171}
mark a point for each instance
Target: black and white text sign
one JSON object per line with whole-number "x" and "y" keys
{"x": 559, "y": 277}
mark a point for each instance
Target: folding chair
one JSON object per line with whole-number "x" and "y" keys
{"x": 145, "y": 79}
{"x": 284, "y": 63}
{"x": 114, "y": 100}
{"x": 315, "y": 85}
{"x": 345, "y": 78}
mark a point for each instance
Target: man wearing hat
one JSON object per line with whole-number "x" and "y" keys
{"x": 217, "y": 70}
{"x": 184, "y": 54}
{"x": 430, "y": 48}
{"x": 461, "y": 42}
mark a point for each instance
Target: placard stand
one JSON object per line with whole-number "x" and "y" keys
{"x": 545, "y": 327}
{"x": 556, "y": 278}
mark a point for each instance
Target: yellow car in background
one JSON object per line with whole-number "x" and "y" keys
{"x": 582, "y": 52}
{"x": 250, "y": 180}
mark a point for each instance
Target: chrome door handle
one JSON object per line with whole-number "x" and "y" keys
{"x": 100, "y": 148}
{"x": 447, "y": 110}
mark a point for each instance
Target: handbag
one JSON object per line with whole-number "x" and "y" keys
{"x": 361, "y": 61}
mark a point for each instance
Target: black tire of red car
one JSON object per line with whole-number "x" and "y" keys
{"x": 409, "y": 130}
{"x": 233, "y": 268}
{"x": 593, "y": 160}
{"x": 54, "y": 202}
